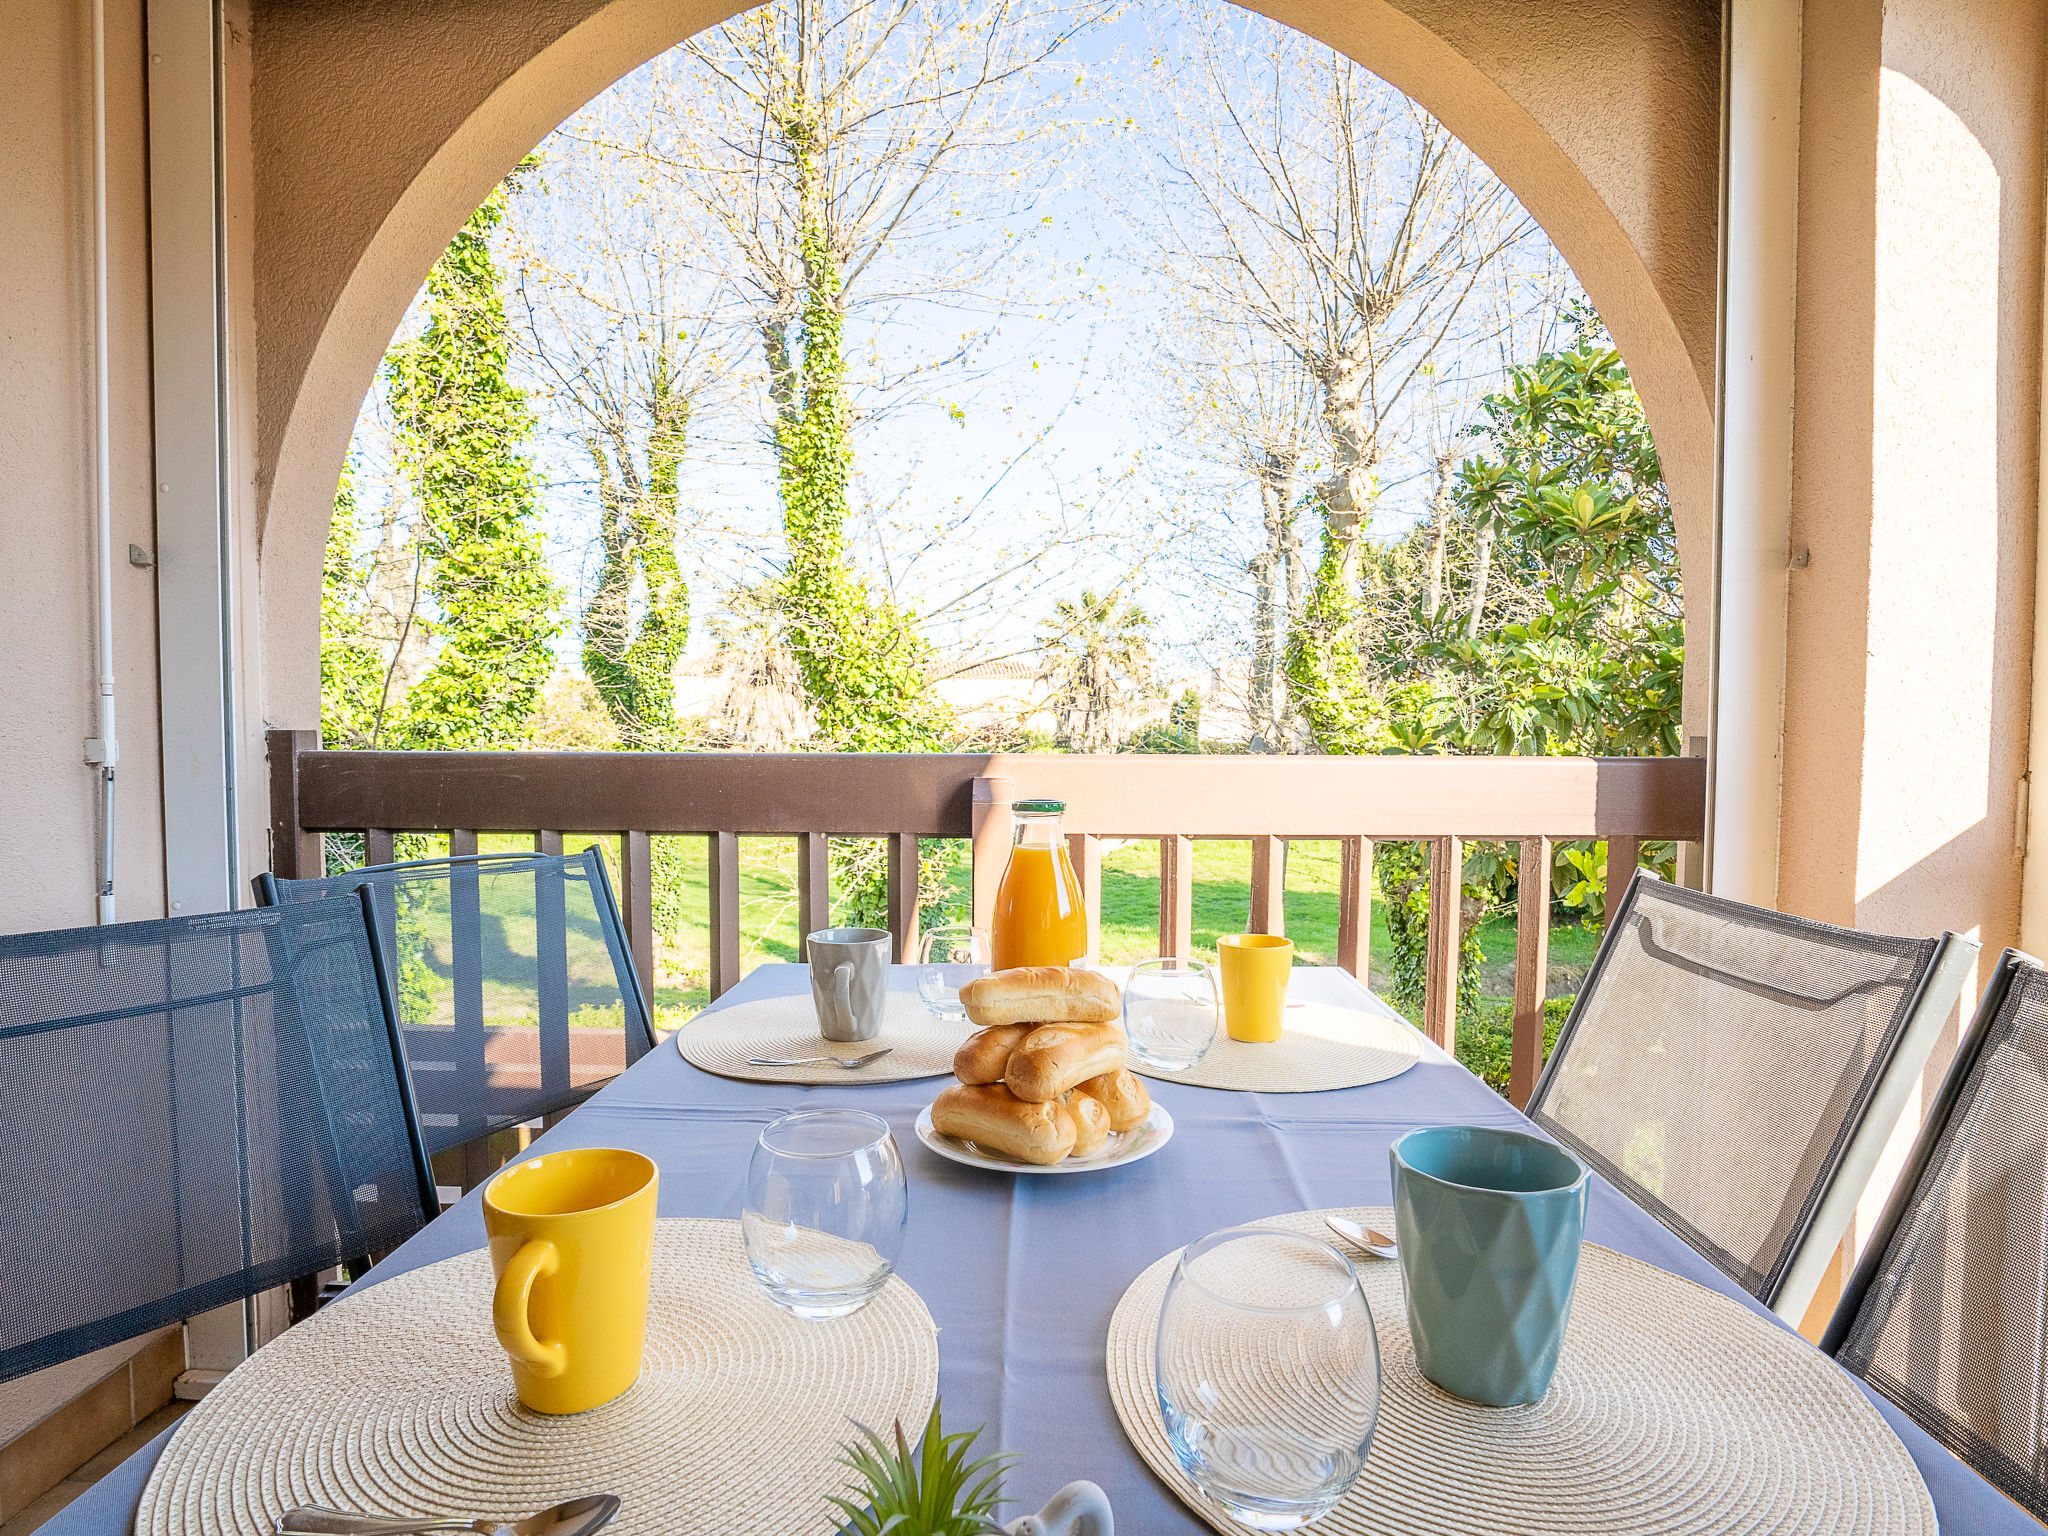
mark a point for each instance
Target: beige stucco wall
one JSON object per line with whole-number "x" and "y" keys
{"x": 48, "y": 685}
{"x": 378, "y": 129}
{"x": 1924, "y": 161}
{"x": 1915, "y": 462}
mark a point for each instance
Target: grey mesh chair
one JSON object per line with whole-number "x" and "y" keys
{"x": 1947, "y": 1311}
{"x": 191, "y": 1112}
{"x": 514, "y": 985}
{"x": 1737, "y": 1072}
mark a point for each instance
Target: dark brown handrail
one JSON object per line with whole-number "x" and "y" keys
{"x": 1444, "y": 801}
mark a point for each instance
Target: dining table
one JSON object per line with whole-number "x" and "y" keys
{"x": 1022, "y": 1272}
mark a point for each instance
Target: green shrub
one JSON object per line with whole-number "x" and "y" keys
{"x": 1485, "y": 1044}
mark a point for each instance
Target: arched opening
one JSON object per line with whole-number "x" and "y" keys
{"x": 1630, "y": 232}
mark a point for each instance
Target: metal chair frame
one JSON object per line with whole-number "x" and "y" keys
{"x": 1831, "y": 1203}
{"x": 1950, "y": 1110}
{"x": 81, "y": 1338}
{"x": 638, "y": 1023}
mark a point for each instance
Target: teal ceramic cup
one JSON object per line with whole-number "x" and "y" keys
{"x": 1489, "y": 1224}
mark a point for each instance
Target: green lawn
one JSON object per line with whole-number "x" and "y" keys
{"x": 1130, "y": 912}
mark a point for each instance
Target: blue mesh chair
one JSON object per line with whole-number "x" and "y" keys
{"x": 193, "y": 1111}
{"x": 513, "y": 982}
{"x": 1947, "y": 1311}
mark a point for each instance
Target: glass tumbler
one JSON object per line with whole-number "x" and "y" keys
{"x": 1268, "y": 1373}
{"x": 826, "y": 1204}
{"x": 1170, "y": 1012}
{"x": 952, "y": 956}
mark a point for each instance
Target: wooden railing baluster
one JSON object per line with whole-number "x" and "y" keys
{"x": 549, "y": 843}
{"x": 1354, "y": 906}
{"x": 376, "y": 846}
{"x": 295, "y": 853}
{"x": 636, "y": 877}
{"x": 813, "y": 887}
{"x": 903, "y": 884}
{"x": 723, "y": 877}
{"x": 1269, "y": 886}
{"x": 1085, "y": 851}
{"x": 1532, "y": 968}
{"x": 991, "y": 830}
{"x": 1176, "y": 895}
{"x": 1623, "y": 854}
{"x": 461, "y": 842}
{"x": 1446, "y": 922}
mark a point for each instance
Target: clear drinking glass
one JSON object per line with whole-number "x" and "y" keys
{"x": 952, "y": 956}
{"x": 826, "y": 1204}
{"x": 1268, "y": 1373}
{"x": 1170, "y": 1012}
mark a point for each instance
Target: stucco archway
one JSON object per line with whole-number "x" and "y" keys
{"x": 375, "y": 135}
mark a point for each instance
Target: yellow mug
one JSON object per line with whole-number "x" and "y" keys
{"x": 1255, "y": 969}
{"x": 572, "y": 1242}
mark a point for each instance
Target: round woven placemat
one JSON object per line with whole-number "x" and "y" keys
{"x": 721, "y": 1042}
{"x": 1674, "y": 1410}
{"x": 398, "y": 1401}
{"x": 1321, "y": 1046}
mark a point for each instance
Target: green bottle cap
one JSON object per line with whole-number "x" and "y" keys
{"x": 1039, "y": 807}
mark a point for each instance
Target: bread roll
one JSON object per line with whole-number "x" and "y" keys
{"x": 1054, "y": 1057}
{"x": 983, "y": 1056}
{"x": 1122, "y": 1094}
{"x": 1041, "y": 994}
{"x": 1091, "y": 1123}
{"x": 993, "y": 1117}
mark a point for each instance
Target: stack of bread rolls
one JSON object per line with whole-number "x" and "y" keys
{"x": 1043, "y": 1079}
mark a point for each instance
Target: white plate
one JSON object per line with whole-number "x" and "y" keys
{"x": 1141, "y": 1140}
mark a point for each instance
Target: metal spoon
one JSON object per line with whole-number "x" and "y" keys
{"x": 577, "y": 1517}
{"x": 819, "y": 1061}
{"x": 1378, "y": 1244}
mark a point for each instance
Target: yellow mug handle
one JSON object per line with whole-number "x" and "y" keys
{"x": 514, "y": 1296}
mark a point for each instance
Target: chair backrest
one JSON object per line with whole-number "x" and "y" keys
{"x": 1946, "y": 1313}
{"x": 1736, "y": 1072}
{"x": 191, "y": 1112}
{"x": 514, "y": 985}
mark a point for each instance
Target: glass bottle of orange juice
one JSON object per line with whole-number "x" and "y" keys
{"x": 1039, "y": 919}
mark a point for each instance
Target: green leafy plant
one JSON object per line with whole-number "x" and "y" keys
{"x": 1486, "y": 1042}
{"x": 931, "y": 1490}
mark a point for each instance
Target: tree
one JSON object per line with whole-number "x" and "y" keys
{"x": 1098, "y": 664}
{"x": 1252, "y": 411}
{"x": 622, "y": 329}
{"x": 461, "y": 428}
{"x": 1564, "y": 633}
{"x": 1322, "y": 208}
{"x": 353, "y": 665}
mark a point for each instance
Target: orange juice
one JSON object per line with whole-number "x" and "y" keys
{"x": 1039, "y": 919}
{"x": 1039, "y": 914}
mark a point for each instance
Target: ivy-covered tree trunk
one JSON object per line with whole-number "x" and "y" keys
{"x": 1326, "y": 673}
{"x": 462, "y": 427}
{"x": 865, "y": 667}
{"x": 632, "y": 665}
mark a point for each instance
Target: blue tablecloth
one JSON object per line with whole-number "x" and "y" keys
{"x": 1022, "y": 1273}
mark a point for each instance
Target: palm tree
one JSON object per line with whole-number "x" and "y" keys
{"x": 1098, "y": 661}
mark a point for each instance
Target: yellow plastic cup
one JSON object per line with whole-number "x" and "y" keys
{"x": 1255, "y": 970}
{"x": 572, "y": 1242}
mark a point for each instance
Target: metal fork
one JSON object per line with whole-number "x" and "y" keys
{"x": 819, "y": 1061}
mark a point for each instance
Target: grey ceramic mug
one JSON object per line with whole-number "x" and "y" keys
{"x": 1489, "y": 1224}
{"x": 849, "y": 980}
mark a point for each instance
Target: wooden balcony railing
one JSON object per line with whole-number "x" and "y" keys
{"x": 1444, "y": 801}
